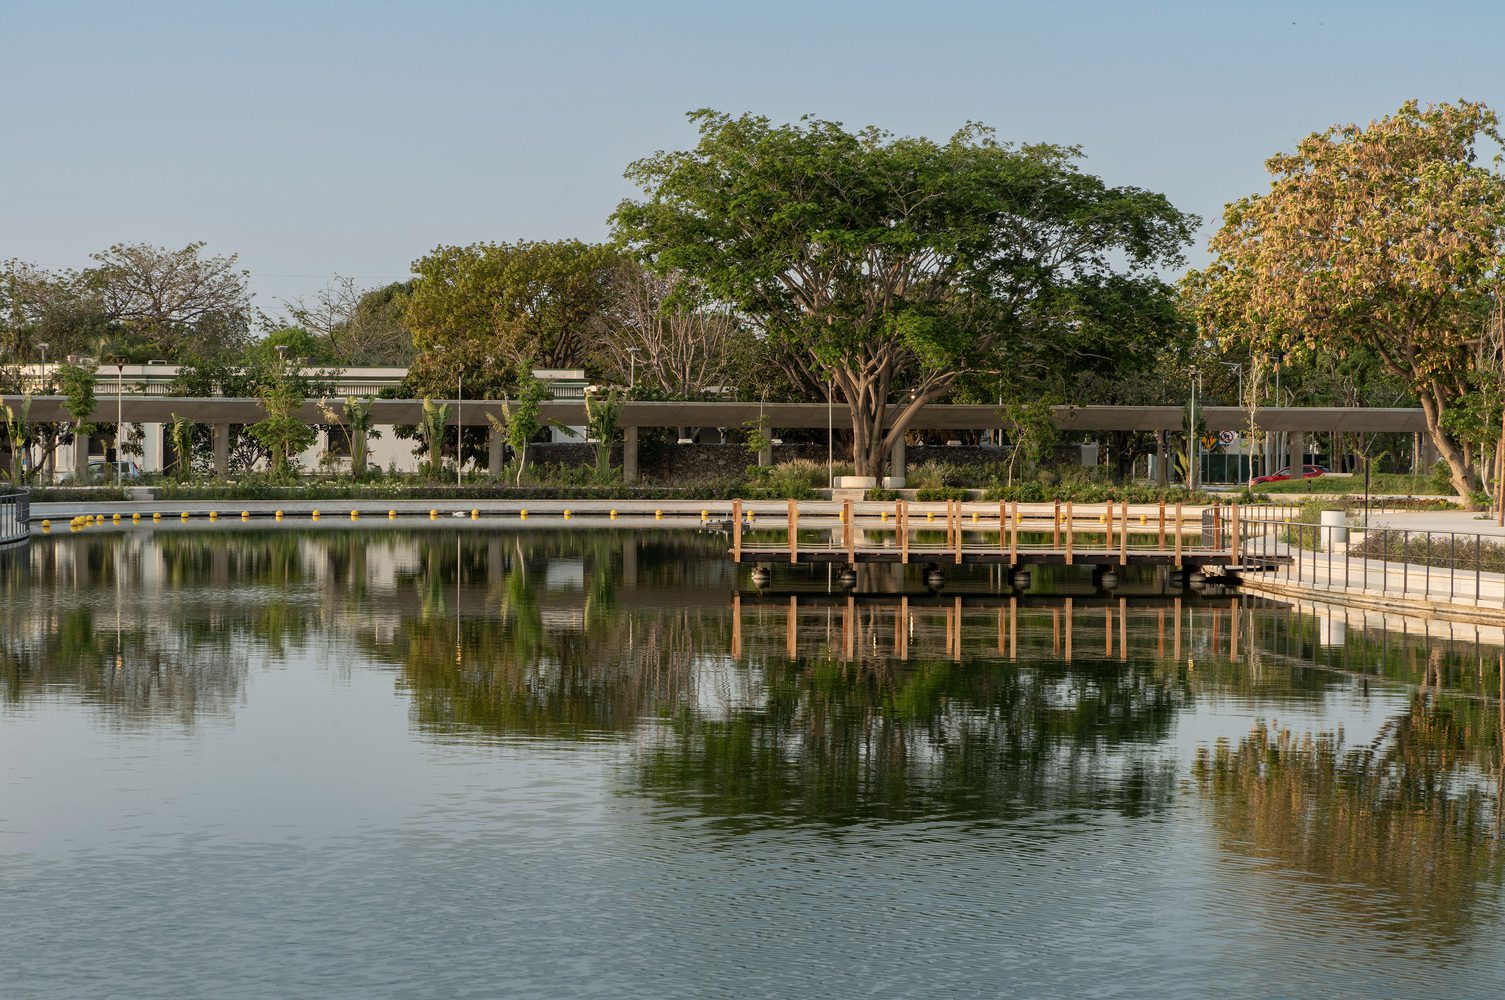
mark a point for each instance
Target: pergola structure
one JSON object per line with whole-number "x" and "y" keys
{"x": 221, "y": 413}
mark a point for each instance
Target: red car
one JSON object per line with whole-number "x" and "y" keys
{"x": 1307, "y": 472}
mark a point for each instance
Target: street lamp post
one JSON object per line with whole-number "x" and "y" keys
{"x": 119, "y": 412}
{"x": 1191, "y": 469}
{"x": 459, "y": 427}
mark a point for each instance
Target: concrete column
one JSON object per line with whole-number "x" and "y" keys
{"x": 1296, "y": 446}
{"x": 629, "y": 454}
{"x": 220, "y": 435}
{"x": 1162, "y": 465}
{"x": 494, "y": 444}
{"x": 765, "y": 453}
{"x": 896, "y": 468}
{"x": 1429, "y": 454}
{"x": 80, "y": 455}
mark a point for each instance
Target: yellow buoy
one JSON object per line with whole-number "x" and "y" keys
{"x": 115, "y": 518}
{"x": 475, "y": 514}
{"x": 523, "y": 514}
{"x": 46, "y": 524}
{"x": 74, "y": 527}
{"x": 315, "y": 515}
{"x": 613, "y": 514}
{"x": 974, "y": 515}
{"x": 705, "y": 515}
{"x": 157, "y": 516}
{"x": 183, "y": 516}
{"x": 278, "y": 515}
{"x": 245, "y": 515}
{"x": 930, "y": 516}
{"x": 214, "y": 515}
{"x": 136, "y": 517}
{"x": 391, "y": 515}
{"x": 883, "y": 515}
{"x": 355, "y": 515}
{"x": 433, "y": 514}
{"x": 658, "y": 515}
{"x": 567, "y": 514}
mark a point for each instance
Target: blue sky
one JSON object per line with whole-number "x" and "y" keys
{"x": 316, "y": 138}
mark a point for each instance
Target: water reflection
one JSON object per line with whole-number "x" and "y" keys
{"x": 816, "y": 706}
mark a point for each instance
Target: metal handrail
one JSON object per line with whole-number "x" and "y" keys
{"x": 15, "y": 515}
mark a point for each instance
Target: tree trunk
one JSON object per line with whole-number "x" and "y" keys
{"x": 1460, "y": 470}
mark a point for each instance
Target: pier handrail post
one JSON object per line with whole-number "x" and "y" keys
{"x": 1014, "y": 537}
{"x": 1162, "y": 524}
{"x": 1233, "y": 540}
{"x": 848, "y": 535}
{"x": 794, "y": 531}
{"x": 1069, "y": 532}
{"x": 1123, "y": 533}
{"x": 1003, "y": 524}
{"x": 957, "y": 539}
{"x": 736, "y": 531}
{"x": 1180, "y": 530}
{"x": 1108, "y": 527}
{"x": 903, "y": 518}
{"x": 1055, "y": 541}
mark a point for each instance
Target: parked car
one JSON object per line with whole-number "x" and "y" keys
{"x": 1307, "y": 472}
{"x": 123, "y": 470}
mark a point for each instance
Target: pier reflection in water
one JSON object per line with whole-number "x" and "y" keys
{"x": 1028, "y": 791}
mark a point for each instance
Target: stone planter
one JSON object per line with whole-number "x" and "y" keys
{"x": 856, "y": 482}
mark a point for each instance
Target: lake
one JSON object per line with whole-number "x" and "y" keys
{"x": 480, "y": 763}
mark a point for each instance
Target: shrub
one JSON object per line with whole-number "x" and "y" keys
{"x": 930, "y": 494}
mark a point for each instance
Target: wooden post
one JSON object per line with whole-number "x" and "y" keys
{"x": 848, "y": 535}
{"x": 1055, "y": 541}
{"x": 1069, "y": 532}
{"x": 903, "y": 519}
{"x": 1108, "y": 527}
{"x": 957, "y": 539}
{"x": 1014, "y": 536}
{"x": 1233, "y": 544}
{"x": 794, "y": 531}
{"x": 1003, "y": 519}
{"x": 1178, "y": 537}
{"x": 1162, "y": 526}
{"x": 736, "y": 531}
{"x": 1123, "y": 534}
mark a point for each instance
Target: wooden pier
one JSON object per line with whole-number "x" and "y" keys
{"x": 1010, "y": 534}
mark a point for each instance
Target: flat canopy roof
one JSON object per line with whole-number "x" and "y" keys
{"x": 937, "y": 416}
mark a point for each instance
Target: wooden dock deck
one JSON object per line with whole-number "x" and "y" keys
{"x": 1010, "y": 534}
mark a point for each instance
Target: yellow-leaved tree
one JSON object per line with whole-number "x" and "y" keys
{"x": 1389, "y": 237}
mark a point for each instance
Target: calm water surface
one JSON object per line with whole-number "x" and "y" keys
{"x": 475, "y": 764}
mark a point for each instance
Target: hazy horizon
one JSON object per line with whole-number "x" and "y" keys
{"x": 344, "y": 138}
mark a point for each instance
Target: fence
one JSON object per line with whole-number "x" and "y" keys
{"x": 1444, "y": 567}
{"x": 15, "y": 515}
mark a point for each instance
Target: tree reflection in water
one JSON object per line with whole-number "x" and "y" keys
{"x": 1414, "y": 816}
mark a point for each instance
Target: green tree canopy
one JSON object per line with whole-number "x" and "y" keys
{"x": 476, "y": 310}
{"x": 1387, "y": 238}
{"x": 893, "y": 265}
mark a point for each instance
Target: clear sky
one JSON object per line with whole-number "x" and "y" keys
{"x": 316, "y": 138}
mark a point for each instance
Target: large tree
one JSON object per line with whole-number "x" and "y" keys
{"x": 894, "y": 265}
{"x": 670, "y": 341}
{"x": 362, "y": 327}
{"x": 477, "y": 310}
{"x": 172, "y": 304}
{"x": 1386, "y": 237}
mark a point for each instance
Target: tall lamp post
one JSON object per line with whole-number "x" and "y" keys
{"x": 1192, "y": 470}
{"x": 42, "y": 384}
{"x": 459, "y": 427}
{"x": 119, "y": 412}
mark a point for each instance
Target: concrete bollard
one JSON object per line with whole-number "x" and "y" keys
{"x": 1334, "y": 528}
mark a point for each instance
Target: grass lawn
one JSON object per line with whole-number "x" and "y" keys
{"x": 1380, "y": 482}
